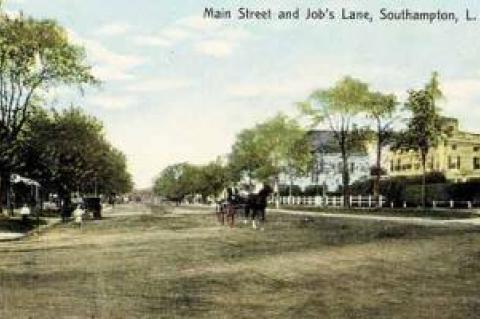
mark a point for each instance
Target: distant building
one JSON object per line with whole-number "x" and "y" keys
{"x": 328, "y": 166}
{"x": 457, "y": 156}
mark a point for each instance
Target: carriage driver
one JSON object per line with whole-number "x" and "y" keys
{"x": 230, "y": 195}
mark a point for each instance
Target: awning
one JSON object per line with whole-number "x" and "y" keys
{"x": 15, "y": 179}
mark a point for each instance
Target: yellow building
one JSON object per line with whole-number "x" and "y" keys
{"x": 457, "y": 156}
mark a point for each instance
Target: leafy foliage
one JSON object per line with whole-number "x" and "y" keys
{"x": 67, "y": 151}
{"x": 424, "y": 129}
{"x": 278, "y": 145}
{"x": 337, "y": 107}
{"x": 380, "y": 108}
{"x": 35, "y": 56}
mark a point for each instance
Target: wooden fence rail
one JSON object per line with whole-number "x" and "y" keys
{"x": 330, "y": 201}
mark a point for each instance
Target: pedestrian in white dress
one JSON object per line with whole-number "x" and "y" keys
{"x": 25, "y": 212}
{"x": 78, "y": 216}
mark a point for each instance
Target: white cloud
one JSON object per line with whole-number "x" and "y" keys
{"x": 215, "y": 48}
{"x": 107, "y": 64}
{"x": 114, "y": 29}
{"x": 176, "y": 34}
{"x": 462, "y": 97}
{"x": 165, "y": 38}
{"x": 464, "y": 90}
{"x": 152, "y": 40}
{"x": 210, "y": 38}
{"x": 152, "y": 85}
{"x": 114, "y": 102}
{"x": 199, "y": 24}
{"x": 222, "y": 43}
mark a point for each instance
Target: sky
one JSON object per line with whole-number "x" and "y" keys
{"x": 177, "y": 87}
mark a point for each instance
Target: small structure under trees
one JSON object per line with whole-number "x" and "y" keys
{"x": 35, "y": 56}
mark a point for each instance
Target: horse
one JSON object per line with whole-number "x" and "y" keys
{"x": 257, "y": 205}
{"x": 253, "y": 206}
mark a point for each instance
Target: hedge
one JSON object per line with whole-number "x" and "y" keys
{"x": 409, "y": 189}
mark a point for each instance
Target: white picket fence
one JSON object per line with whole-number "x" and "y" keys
{"x": 330, "y": 201}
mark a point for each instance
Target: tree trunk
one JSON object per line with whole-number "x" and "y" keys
{"x": 290, "y": 187}
{"x": 1, "y": 193}
{"x": 376, "y": 183}
{"x": 345, "y": 180}
{"x": 66, "y": 205}
{"x": 277, "y": 193}
{"x": 4, "y": 190}
{"x": 423, "y": 180}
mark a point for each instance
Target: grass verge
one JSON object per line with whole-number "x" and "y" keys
{"x": 175, "y": 263}
{"x": 407, "y": 212}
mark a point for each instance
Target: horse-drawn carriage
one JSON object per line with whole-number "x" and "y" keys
{"x": 227, "y": 210}
{"x": 249, "y": 206}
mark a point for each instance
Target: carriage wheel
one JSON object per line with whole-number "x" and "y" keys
{"x": 221, "y": 216}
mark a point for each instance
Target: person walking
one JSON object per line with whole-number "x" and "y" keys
{"x": 78, "y": 216}
{"x": 25, "y": 212}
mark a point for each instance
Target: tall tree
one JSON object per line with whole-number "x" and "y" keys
{"x": 67, "y": 152}
{"x": 35, "y": 56}
{"x": 175, "y": 181}
{"x": 299, "y": 159}
{"x": 274, "y": 147}
{"x": 246, "y": 157}
{"x": 424, "y": 129}
{"x": 380, "y": 108}
{"x": 279, "y": 142}
{"x": 213, "y": 178}
{"x": 337, "y": 107}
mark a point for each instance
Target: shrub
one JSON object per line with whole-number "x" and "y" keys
{"x": 437, "y": 192}
{"x": 284, "y": 190}
{"x": 313, "y": 190}
{"x": 469, "y": 191}
{"x": 363, "y": 187}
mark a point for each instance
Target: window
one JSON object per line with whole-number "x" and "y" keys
{"x": 458, "y": 162}
{"x": 352, "y": 167}
{"x": 391, "y": 166}
{"x": 476, "y": 148}
{"x": 476, "y": 163}
{"x": 454, "y": 147}
{"x": 451, "y": 164}
{"x": 321, "y": 166}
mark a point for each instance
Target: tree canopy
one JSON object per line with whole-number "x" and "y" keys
{"x": 67, "y": 151}
{"x": 337, "y": 107}
{"x": 424, "y": 127}
{"x": 35, "y": 56}
{"x": 277, "y": 146}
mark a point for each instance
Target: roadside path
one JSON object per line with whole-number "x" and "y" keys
{"x": 5, "y": 236}
{"x": 425, "y": 221}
